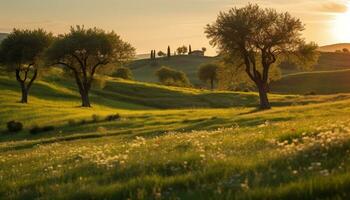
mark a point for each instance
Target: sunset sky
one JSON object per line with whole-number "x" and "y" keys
{"x": 154, "y": 24}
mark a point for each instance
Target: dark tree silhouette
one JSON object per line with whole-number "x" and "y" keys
{"x": 258, "y": 38}
{"x": 208, "y": 73}
{"x": 21, "y": 52}
{"x": 161, "y": 54}
{"x": 189, "y": 49}
{"x": 168, "y": 52}
{"x": 85, "y": 51}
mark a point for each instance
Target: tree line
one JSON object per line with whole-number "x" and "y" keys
{"x": 251, "y": 42}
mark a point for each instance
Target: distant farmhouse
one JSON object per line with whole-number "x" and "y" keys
{"x": 197, "y": 53}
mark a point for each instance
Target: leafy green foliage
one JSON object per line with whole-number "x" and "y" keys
{"x": 171, "y": 77}
{"x": 21, "y": 52}
{"x": 85, "y": 51}
{"x": 258, "y": 39}
{"x": 124, "y": 73}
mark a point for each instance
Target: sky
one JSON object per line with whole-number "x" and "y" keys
{"x": 155, "y": 24}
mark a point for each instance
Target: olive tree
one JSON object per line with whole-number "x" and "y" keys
{"x": 21, "y": 52}
{"x": 209, "y": 73}
{"x": 84, "y": 51}
{"x": 260, "y": 38}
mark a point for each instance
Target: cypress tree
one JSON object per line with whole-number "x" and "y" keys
{"x": 168, "y": 54}
{"x": 189, "y": 50}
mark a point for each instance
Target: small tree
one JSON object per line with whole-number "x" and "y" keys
{"x": 345, "y": 50}
{"x": 209, "y": 73}
{"x": 84, "y": 51}
{"x": 182, "y": 50}
{"x": 190, "y": 49}
{"x": 161, "y": 54}
{"x": 259, "y": 38}
{"x": 204, "y": 49}
{"x": 172, "y": 77}
{"x": 168, "y": 52}
{"x": 124, "y": 73}
{"x": 21, "y": 52}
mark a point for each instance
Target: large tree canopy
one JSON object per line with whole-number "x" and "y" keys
{"x": 259, "y": 38}
{"x": 21, "y": 52}
{"x": 84, "y": 51}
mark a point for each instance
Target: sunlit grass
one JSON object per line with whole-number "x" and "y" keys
{"x": 298, "y": 150}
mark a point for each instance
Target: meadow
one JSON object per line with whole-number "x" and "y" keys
{"x": 172, "y": 143}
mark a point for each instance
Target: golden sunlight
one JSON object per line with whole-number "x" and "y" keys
{"x": 342, "y": 26}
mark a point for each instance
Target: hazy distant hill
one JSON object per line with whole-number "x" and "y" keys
{"x": 334, "y": 47}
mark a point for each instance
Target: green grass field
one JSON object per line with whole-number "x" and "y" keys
{"x": 172, "y": 143}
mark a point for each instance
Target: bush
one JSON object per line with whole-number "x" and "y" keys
{"x": 124, "y": 73}
{"x": 14, "y": 127}
{"x": 172, "y": 77}
{"x": 113, "y": 117}
{"x": 36, "y": 129}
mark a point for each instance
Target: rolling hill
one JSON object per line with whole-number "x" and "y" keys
{"x": 172, "y": 143}
{"x": 323, "y": 79}
{"x": 334, "y": 47}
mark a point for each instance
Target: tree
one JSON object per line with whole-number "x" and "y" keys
{"x": 168, "y": 52}
{"x": 85, "y": 51}
{"x": 204, "y": 49}
{"x": 172, "y": 77}
{"x": 190, "y": 49}
{"x": 182, "y": 50}
{"x": 260, "y": 38}
{"x": 209, "y": 73}
{"x": 345, "y": 50}
{"x": 161, "y": 54}
{"x": 21, "y": 52}
{"x": 124, "y": 73}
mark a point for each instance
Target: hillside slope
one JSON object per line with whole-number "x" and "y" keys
{"x": 289, "y": 152}
{"x": 144, "y": 70}
{"x": 320, "y": 82}
{"x": 334, "y": 47}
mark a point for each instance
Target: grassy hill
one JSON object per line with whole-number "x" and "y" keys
{"x": 144, "y": 70}
{"x": 172, "y": 143}
{"x": 328, "y": 65}
{"x": 334, "y": 47}
{"x": 319, "y": 82}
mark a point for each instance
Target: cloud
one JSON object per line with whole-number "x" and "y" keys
{"x": 334, "y": 7}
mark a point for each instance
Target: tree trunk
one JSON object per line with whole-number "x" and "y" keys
{"x": 85, "y": 101}
{"x": 264, "y": 100}
{"x": 24, "y": 94}
{"x": 212, "y": 84}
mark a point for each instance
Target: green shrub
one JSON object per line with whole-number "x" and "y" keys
{"x": 124, "y": 73}
{"x": 172, "y": 77}
{"x": 14, "y": 127}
